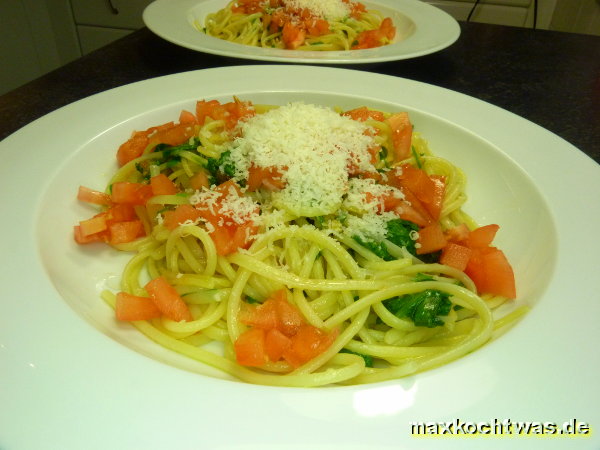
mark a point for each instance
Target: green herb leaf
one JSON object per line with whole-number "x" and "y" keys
{"x": 416, "y": 156}
{"x": 423, "y": 308}
{"x": 251, "y": 300}
{"x": 423, "y": 277}
{"x": 398, "y": 232}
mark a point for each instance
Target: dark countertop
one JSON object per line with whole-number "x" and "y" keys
{"x": 550, "y": 78}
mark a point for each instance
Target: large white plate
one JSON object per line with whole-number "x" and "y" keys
{"x": 72, "y": 378}
{"x": 420, "y": 29}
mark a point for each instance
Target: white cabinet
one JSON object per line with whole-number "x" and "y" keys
{"x": 42, "y": 35}
{"x": 519, "y": 13}
{"x": 37, "y": 36}
{"x": 100, "y": 22}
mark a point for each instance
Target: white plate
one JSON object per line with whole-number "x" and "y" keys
{"x": 420, "y": 29}
{"x": 72, "y": 378}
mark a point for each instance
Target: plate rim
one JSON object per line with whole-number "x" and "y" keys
{"x": 275, "y": 397}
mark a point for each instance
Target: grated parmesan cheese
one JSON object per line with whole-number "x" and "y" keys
{"x": 370, "y": 226}
{"x": 365, "y": 195}
{"x": 314, "y": 146}
{"x": 328, "y": 9}
{"x": 232, "y": 208}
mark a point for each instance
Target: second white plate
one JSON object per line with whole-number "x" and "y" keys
{"x": 421, "y": 29}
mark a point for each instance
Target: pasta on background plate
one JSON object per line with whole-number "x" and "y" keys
{"x": 315, "y": 246}
{"x": 314, "y": 25}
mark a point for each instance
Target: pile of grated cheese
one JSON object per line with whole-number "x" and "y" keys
{"x": 327, "y": 9}
{"x": 314, "y": 146}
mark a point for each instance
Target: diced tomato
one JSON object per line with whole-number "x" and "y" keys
{"x": 152, "y": 131}
{"x": 130, "y": 193}
{"x": 289, "y": 317}
{"x": 316, "y": 27}
{"x": 412, "y": 209}
{"x": 308, "y": 343}
{"x": 278, "y": 19}
{"x": 128, "y": 231}
{"x": 387, "y": 28}
{"x": 204, "y": 109}
{"x": 418, "y": 182}
{"x": 269, "y": 177}
{"x": 131, "y": 307}
{"x": 434, "y": 207}
{"x": 275, "y": 312}
{"x": 474, "y": 269}
{"x": 227, "y": 235}
{"x": 132, "y": 148}
{"x": 247, "y": 6}
{"x": 187, "y": 117}
{"x": 406, "y": 211}
{"x": 118, "y": 224}
{"x": 120, "y": 212}
{"x": 491, "y": 272}
{"x": 487, "y": 266}
{"x": 386, "y": 201}
{"x": 455, "y": 255}
{"x": 222, "y": 238}
{"x": 162, "y": 185}
{"x": 357, "y": 9}
{"x": 286, "y": 333}
{"x": 424, "y": 192}
{"x": 168, "y": 300}
{"x": 88, "y": 195}
{"x": 276, "y": 344}
{"x": 431, "y": 239}
{"x": 94, "y": 225}
{"x": 250, "y": 349}
{"x": 499, "y": 276}
{"x": 401, "y": 135}
{"x": 240, "y": 110}
{"x": 363, "y": 113}
{"x": 139, "y": 140}
{"x": 458, "y": 234}
{"x": 367, "y": 39}
{"x": 81, "y": 239}
{"x": 375, "y": 38}
{"x": 262, "y": 316}
{"x": 199, "y": 180}
{"x": 483, "y": 236}
{"x": 230, "y": 113}
{"x": 181, "y": 214}
{"x": 292, "y": 36}
{"x": 242, "y": 235}
{"x": 176, "y": 135}
{"x": 228, "y": 187}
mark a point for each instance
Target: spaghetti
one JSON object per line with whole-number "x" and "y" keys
{"x": 317, "y": 247}
{"x": 323, "y": 25}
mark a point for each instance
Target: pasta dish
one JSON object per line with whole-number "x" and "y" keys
{"x": 298, "y": 245}
{"x": 316, "y": 25}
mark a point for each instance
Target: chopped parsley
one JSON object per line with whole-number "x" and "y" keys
{"x": 220, "y": 168}
{"x": 416, "y": 156}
